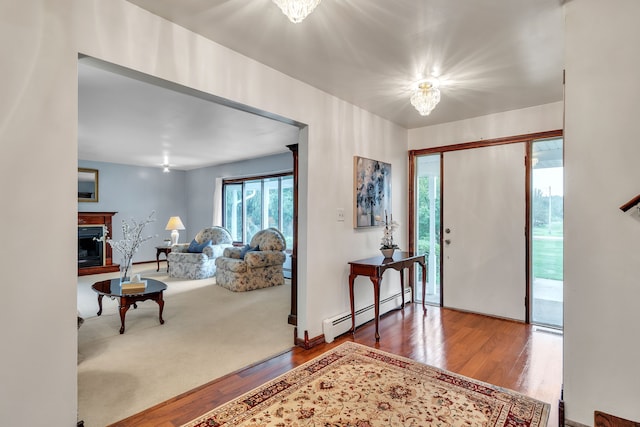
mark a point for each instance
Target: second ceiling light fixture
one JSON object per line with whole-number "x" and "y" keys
{"x": 297, "y": 10}
{"x": 426, "y": 93}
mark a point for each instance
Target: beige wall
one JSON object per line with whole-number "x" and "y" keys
{"x": 602, "y": 286}
{"x": 119, "y": 32}
{"x": 39, "y": 119}
{"x": 38, "y": 164}
{"x": 510, "y": 123}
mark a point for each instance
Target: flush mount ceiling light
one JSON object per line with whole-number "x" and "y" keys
{"x": 426, "y": 95}
{"x": 296, "y": 10}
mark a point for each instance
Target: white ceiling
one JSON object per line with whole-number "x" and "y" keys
{"x": 493, "y": 55}
{"x": 125, "y": 117}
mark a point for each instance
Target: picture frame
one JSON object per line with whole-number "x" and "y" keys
{"x": 87, "y": 185}
{"x": 372, "y": 192}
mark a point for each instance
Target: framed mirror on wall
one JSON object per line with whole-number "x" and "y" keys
{"x": 87, "y": 185}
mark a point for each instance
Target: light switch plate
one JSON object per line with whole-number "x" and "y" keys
{"x": 341, "y": 214}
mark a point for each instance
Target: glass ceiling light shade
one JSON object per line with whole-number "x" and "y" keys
{"x": 426, "y": 95}
{"x": 296, "y": 10}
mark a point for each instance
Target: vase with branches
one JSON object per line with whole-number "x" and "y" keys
{"x": 132, "y": 238}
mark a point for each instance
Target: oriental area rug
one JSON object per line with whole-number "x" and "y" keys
{"x": 358, "y": 386}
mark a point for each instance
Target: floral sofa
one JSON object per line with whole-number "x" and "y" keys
{"x": 257, "y": 265}
{"x": 197, "y": 260}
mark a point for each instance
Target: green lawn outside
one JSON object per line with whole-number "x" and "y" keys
{"x": 547, "y": 259}
{"x": 555, "y": 230}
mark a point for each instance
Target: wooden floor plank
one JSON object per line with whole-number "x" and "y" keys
{"x": 501, "y": 352}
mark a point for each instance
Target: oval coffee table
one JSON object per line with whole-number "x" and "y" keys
{"x": 112, "y": 289}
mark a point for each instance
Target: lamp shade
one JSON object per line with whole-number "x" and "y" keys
{"x": 175, "y": 223}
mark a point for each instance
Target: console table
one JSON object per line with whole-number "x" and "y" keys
{"x": 374, "y": 268}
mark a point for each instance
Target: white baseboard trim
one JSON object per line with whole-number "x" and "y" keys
{"x": 574, "y": 424}
{"x": 341, "y": 323}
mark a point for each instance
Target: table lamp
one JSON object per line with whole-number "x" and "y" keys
{"x": 174, "y": 225}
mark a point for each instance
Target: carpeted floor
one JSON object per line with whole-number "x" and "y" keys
{"x": 209, "y": 331}
{"x": 355, "y": 385}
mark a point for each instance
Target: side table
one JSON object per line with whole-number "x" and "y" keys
{"x": 166, "y": 250}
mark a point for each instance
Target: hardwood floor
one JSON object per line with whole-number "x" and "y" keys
{"x": 501, "y": 352}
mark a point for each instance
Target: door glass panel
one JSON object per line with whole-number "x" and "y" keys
{"x": 547, "y": 194}
{"x": 427, "y": 224}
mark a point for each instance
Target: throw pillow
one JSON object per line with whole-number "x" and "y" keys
{"x": 247, "y": 248}
{"x": 244, "y": 250}
{"x": 197, "y": 248}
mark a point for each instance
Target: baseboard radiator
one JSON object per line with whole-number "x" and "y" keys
{"x": 341, "y": 323}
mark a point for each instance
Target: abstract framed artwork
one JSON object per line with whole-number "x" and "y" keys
{"x": 372, "y": 192}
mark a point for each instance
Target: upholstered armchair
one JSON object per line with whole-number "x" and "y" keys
{"x": 196, "y": 260}
{"x": 257, "y": 265}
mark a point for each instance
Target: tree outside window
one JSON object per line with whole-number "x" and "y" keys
{"x": 250, "y": 205}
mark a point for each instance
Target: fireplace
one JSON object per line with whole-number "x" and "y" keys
{"x": 94, "y": 254}
{"x": 90, "y": 246}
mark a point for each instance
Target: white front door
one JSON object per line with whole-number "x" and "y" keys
{"x": 484, "y": 245}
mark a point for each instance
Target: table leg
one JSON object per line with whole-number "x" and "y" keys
{"x": 376, "y": 302}
{"x": 100, "y": 304}
{"x": 352, "y": 277}
{"x": 160, "y": 302}
{"x": 158, "y": 259}
{"x": 402, "y": 286}
{"x": 424, "y": 286}
{"x": 123, "y": 312}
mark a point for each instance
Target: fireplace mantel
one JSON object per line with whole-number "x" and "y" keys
{"x": 105, "y": 219}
